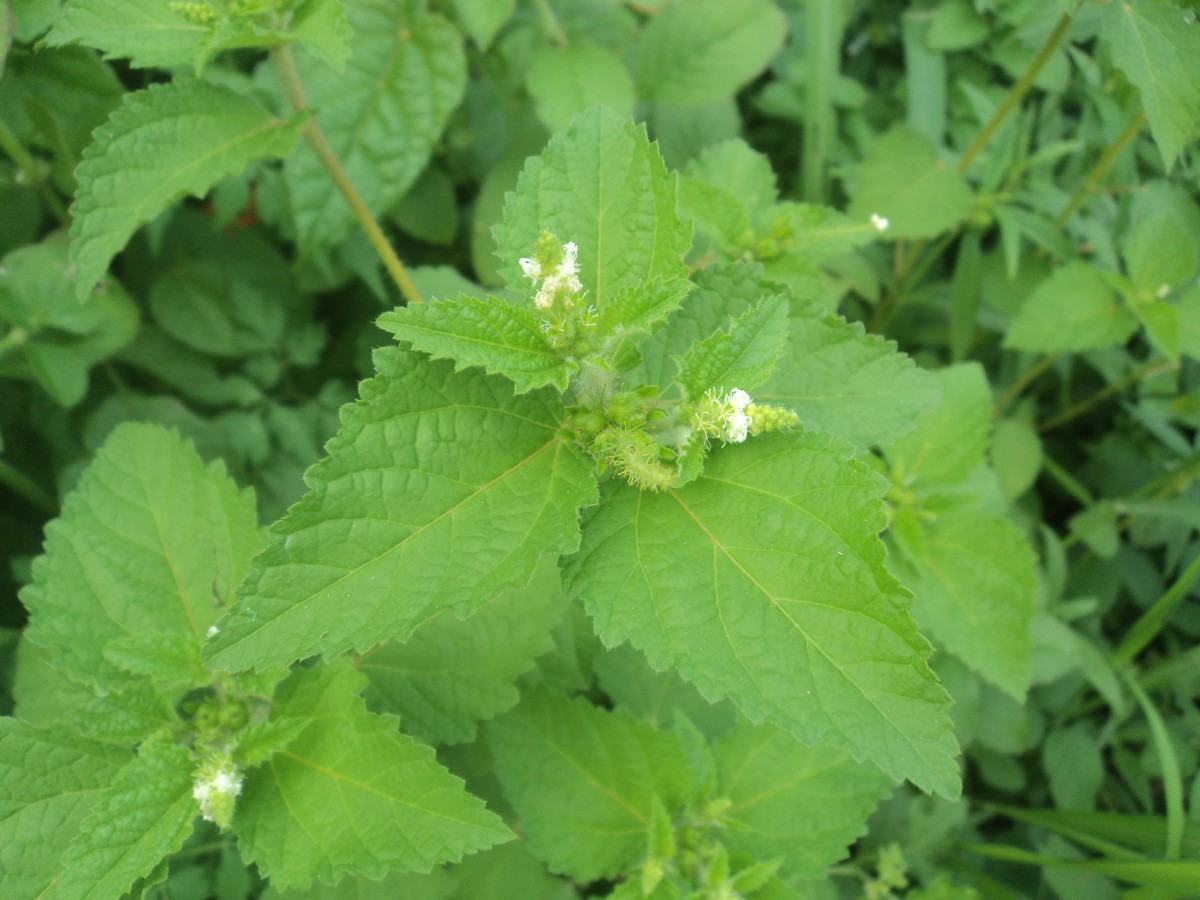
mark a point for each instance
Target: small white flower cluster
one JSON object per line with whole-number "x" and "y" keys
{"x": 564, "y": 276}
{"x": 879, "y": 222}
{"x": 737, "y": 423}
{"x": 217, "y": 788}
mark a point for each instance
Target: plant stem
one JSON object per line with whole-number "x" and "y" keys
{"x": 551, "y": 24}
{"x": 1168, "y": 762}
{"x": 24, "y": 486}
{"x": 1078, "y": 409}
{"x": 1027, "y": 378}
{"x": 823, "y": 43}
{"x": 285, "y": 65}
{"x": 1151, "y": 622}
{"x": 1069, "y": 484}
{"x": 1017, "y": 93}
{"x": 1100, "y": 169}
{"x": 27, "y": 167}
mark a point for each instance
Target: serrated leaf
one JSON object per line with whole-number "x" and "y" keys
{"x": 735, "y": 168}
{"x": 814, "y": 232}
{"x": 151, "y": 541}
{"x": 352, "y": 795}
{"x": 1074, "y": 309}
{"x": 564, "y": 81}
{"x": 163, "y": 142}
{"x": 49, "y": 781}
{"x": 839, "y": 379}
{"x": 803, "y": 804}
{"x": 322, "y": 28}
{"x": 642, "y": 309}
{"x": 1157, "y": 46}
{"x": 950, "y": 441}
{"x": 439, "y": 490}
{"x": 583, "y": 781}
{"x": 903, "y": 180}
{"x": 451, "y": 674}
{"x": 146, "y": 816}
{"x": 705, "y": 50}
{"x": 406, "y": 74}
{"x": 168, "y": 659}
{"x": 741, "y": 356}
{"x": 972, "y": 574}
{"x": 764, "y": 581}
{"x": 146, "y": 32}
{"x": 602, "y": 185}
{"x": 500, "y": 337}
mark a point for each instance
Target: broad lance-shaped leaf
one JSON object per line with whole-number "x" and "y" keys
{"x": 351, "y": 794}
{"x": 382, "y": 116}
{"x": 583, "y": 781}
{"x": 144, "y": 818}
{"x": 165, "y": 141}
{"x": 741, "y": 356}
{"x": 804, "y": 805}
{"x": 1157, "y": 46}
{"x": 439, "y": 490}
{"x": 451, "y": 674}
{"x": 49, "y": 781}
{"x": 150, "y": 542}
{"x": 1074, "y": 309}
{"x": 603, "y": 185}
{"x": 501, "y": 338}
{"x": 146, "y": 32}
{"x": 764, "y": 580}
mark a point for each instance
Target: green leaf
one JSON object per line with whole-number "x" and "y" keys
{"x": 903, "y": 180}
{"x": 956, "y": 26}
{"x": 451, "y": 674}
{"x": 350, "y": 566}
{"x": 705, "y": 50}
{"x": 1074, "y": 309}
{"x": 145, "y": 817}
{"x": 840, "y": 379}
{"x": 406, "y": 74}
{"x": 742, "y": 356}
{"x": 950, "y": 441}
{"x": 146, "y": 32}
{"x": 739, "y": 171}
{"x": 1161, "y": 254}
{"x": 1157, "y": 46}
{"x": 603, "y": 186}
{"x": 151, "y": 542}
{"x": 351, "y": 794}
{"x": 165, "y": 141}
{"x": 500, "y": 337}
{"x": 481, "y": 19}
{"x": 641, "y": 309}
{"x": 49, "y": 782}
{"x": 764, "y": 580}
{"x": 323, "y": 30}
{"x": 564, "y": 81}
{"x": 803, "y": 804}
{"x": 583, "y": 781}
{"x": 972, "y": 573}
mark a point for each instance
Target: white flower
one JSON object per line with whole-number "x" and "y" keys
{"x": 531, "y": 267}
{"x": 738, "y": 399}
{"x": 737, "y": 425}
{"x": 212, "y": 632}
{"x": 879, "y": 222}
{"x": 564, "y": 277}
{"x": 215, "y": 790}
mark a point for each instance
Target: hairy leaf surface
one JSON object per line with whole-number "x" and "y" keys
{"x": 583, "y": 781}
{"x": 151, "y": 542}
{"x": 500, "y": 337}
{"x": 741, "y": 356}
{"x": 405, "y": 75}
{"x": 438, "y": 490}
{"x": 604, "y": 186}
{"x": 764, "y": 581}
{"x": 164, "y": 142}
{"x": 352, "y": 795}
{"x": 146, "y": 32}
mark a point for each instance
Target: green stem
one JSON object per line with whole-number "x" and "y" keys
{"x": 1027, "y": 378}
{"x": 25, "y": 487}
{"x": 14, "y": 339}
{"x": 1017, "y": 93}
{"x": 1169, "y": 766}
{"x": 1151, "y": 622}
{"x": 1068, "y": 483}
{"x": 551, "y": 23}
{"x": 1100, "y": 169}
{"x": 909, "y": 276}
{"x": 823, "y": 44}
{"x": 1078, "y": 409}
{"x": 28, "y": 168}
{"x": 285, "y": 65}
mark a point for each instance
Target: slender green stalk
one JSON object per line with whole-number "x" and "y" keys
{"x": 285, "y": 65}
{"x": 1078, "y": 409}
{"x": 1017, "y": 93}
{"x": 22, "y": 485}
{"x": 1169, "y": 764}
{"x": 12, "y": 340}
{"x": 823, "y": 45}
{"x": 1027, "y": 378}
{"x": 1151, "y": 622}
{"x": 1068, "y": 483}
{"x": 28, "y": 168}
{"x": 1100, "y": 169}
{"x": 551, "y": 24}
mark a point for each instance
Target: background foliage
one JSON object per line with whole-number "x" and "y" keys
{"x": 1004, "y": 381}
